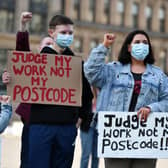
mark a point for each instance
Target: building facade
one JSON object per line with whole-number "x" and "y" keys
{"x": 92, "y": 19}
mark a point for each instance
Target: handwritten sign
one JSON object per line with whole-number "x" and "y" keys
{"x": 45, "y": 78}
{"x": 123, "y": 135}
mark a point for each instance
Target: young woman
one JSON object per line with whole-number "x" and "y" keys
{"x": 130, "y": 84}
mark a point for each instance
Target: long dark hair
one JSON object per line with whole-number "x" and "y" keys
{"x": 124, "y": 54}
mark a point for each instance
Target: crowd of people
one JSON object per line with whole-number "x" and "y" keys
{"x": 49, "y": 131}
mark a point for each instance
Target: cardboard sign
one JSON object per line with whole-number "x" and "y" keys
{"x": 123, "y": 135}
{"x": 45, "y": 78}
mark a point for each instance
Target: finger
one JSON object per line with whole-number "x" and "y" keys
{"x": 27, "y": 17}
{"x": 138, "y": 113}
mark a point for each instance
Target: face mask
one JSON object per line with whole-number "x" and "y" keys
{"x": 140, "y": 51}
{"x": 64, "y": 40}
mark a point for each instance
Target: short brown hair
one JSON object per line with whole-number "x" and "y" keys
{"x": 59, "y": 20}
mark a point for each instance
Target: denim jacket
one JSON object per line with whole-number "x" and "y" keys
{"x": 116, "y": 84}
{"x": 5, "y": 115}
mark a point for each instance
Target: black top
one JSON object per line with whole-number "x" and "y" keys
{"x": 137, "y": 88}
{"x": 61, "y": 114}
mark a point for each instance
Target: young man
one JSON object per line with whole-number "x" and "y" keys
{"x": 53, "y": 128}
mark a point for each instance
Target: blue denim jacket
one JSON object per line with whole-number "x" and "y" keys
{"x": 5, "y": 115}
{"x": 116, "y": 84}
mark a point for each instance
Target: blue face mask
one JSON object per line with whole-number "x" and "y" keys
{"x": 64, "y": 40}
{"x": 140, "y": 51}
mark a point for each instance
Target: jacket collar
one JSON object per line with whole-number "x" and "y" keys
{"x": 126, "y": 69}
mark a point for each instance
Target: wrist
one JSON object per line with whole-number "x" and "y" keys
{"x": 23, "y": 27}
{"x": 105, "y": 45}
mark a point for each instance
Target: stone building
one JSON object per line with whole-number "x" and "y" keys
{"x": 92, "y": 19}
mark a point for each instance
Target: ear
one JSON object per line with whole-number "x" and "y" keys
{"x": 50, "y": 32}
{"x": 129, "y": 48}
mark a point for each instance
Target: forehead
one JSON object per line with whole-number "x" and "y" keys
{"x": 67, "y": 27}
{"x": 139, "y": 37}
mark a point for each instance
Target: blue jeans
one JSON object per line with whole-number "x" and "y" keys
{"x": 89, "y": 148}
{"x": 24, "y": 146}
{"x": 51, "y": 146}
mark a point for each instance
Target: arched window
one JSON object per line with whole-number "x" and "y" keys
{"x": 162, "y": 19}
{"x": 163, "y": 60}
{"x": 135, "y": 11}
{"x": 76, "y": 9}
{"x": 93, "y": 43}
{"x": 107, "y": 11}
{"x": 92, "y": 11}
{"x": 148, "y": 13}
{"x": 120, "y": 10}
{"x": 78, "y": 43}
{"x": 7, "y": 8}
{"x": 39, "y": 9}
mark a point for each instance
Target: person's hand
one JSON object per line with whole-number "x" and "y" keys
{"x": 143, "y": 113}
{"x": 4, "y": 99}
{"x": 6, "y": 77}
{"x": 78, "y": 122}
{"x": 25, "y": 18}
{"x": 108, "y": 39}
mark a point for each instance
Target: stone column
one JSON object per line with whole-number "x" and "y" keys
{"x": 142, "y": 14}
{"x": 84, "y": 5}
{"x": 69, "y": 8}
{"x": 20, "y": 7}
{"x": 155, "y": 18}
{"x": 127, "y": 14}
{"x": 113, "y": 12}
{"x": 99, "y": 10}
{"x": 166, "y": 17}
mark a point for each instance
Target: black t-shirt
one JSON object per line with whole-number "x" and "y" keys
{"x": 137, "y": 88}
{"x": 61, "y": 114}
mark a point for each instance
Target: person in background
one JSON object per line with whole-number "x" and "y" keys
{"x": 53, "y": 128}
{"x": 23, "y": 109}
{"x": 131, "y": 84}
{"x": 5, "y": 114}
{"x": 88, "y": 136}
{"x": 46, "y": 41}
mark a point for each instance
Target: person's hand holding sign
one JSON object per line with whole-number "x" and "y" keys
{"x": 5, "y": 99}
{"x": 108, "y": 39}
{"x": 6, "y": 77}
{"x": 143, "y": 113}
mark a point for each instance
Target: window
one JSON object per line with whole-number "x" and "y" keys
{"x": 135, "y": 11}
{"x": 91, "y": 14}
{"x": 148, "y": 13}
{"x": 76, "y": 9}
{"x": 107, "y": 11}
{"x": 7, "y": 15}
{"x": 162, "y": 60}
{"x": 162, "y": 19}
{"x": 39, "y": 21}
{"x": 120, "y": 10}
{"x": 93, "y": 43}
{"x": 78, "y": 43}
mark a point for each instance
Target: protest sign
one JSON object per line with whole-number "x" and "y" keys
{"x": 123, "y": 135}
{"x": 45, "y": 78}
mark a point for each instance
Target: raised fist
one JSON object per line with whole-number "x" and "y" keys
{"x": 26, "y": 17}
{"x": 108, "y": 39}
